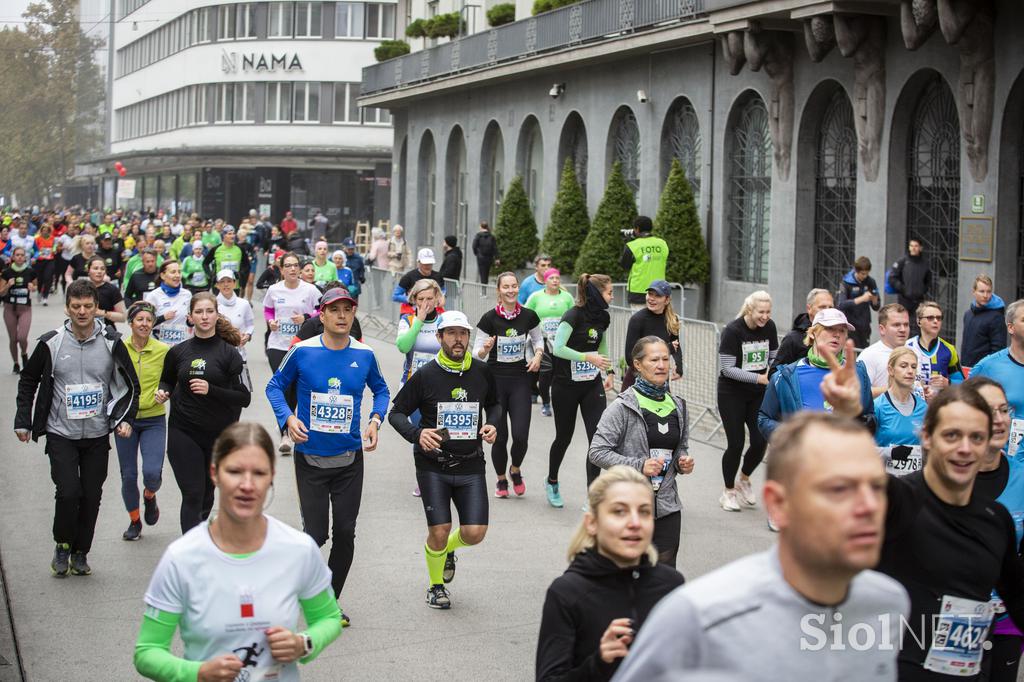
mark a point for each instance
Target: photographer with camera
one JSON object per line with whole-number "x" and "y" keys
{"x": 644, "y": 258}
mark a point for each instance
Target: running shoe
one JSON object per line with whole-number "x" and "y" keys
{"x": 438, "y": 597}
{"x": 285, "y": 448}
{"x": 61, "y": 556}
{"x": 728, "y": 501}
{"x": 746, "y": 492}
{"x": 545, "y": 410}
{"x": 345, "y": 620}
{"x": 517, "y": 483}
{"x": 79, "y": 566}
{"x": 501, "y": 489}
{"x": 416, "y": 491}
{"x": 152, "y": 511}
{"x": 554, "y": 497}
{"x": 134, "y": 531}
{"x": 449, "y": 567}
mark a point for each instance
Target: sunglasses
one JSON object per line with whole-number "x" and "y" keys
{"x": 932, "y": 318}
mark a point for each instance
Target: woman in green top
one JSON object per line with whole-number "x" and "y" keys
{"x": 149, "y": 432}
{"x": 325, "y": 270}
{"x": 235, "y": 585}
{"x": 193, "y": 270}
{"x": 550, "y": 303}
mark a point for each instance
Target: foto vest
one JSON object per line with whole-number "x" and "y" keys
{"x": 650, "y": 256}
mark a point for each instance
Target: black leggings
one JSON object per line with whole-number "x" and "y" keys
{"x": 44, "y": 275}
{"x": 276, "y": 357}
{"x": 545, "y": 377}
{"x": 566, "y": 396}
{"x": 1000, "y": 663}
{"x": 738, "y": 410}
{"x": 189, "y": 453}
{"x": 666, "y": 537}
{"x": 514, "y": 396}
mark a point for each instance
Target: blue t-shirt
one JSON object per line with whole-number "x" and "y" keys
{"x": 895, "y": 428}
{"x": 527, "y": 287}
{"x": 810, "y": 378}
{"x": 1003, "y": 368}
{"x": 329, "y": 386}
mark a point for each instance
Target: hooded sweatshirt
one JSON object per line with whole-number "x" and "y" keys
{"x": 792, "y": 347}
{"x": 911, "y": 278}
{"x": 581, "y": 603}
{"x": 858, "y": 314}
{"x": 984, "y": 331}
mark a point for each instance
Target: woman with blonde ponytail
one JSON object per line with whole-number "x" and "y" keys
{"x": 203, "y": 375}
{"x": 593, "y": 611}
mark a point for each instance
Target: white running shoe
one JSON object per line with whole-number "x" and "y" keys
{"x": 728, "y": 501}
{"x": 285, "y": 448}
{"x": 746, "y": 492}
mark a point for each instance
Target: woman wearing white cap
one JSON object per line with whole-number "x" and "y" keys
{"x": 239, "y": 313}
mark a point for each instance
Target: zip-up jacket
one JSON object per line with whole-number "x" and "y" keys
{"x": 984, "y": 331}
{"x": 38, "y": 374}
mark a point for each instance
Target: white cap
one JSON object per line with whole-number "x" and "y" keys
{"x": 425, "y": 256}
{"x": 454, "y": 318}
{"x": 227, "y": 274}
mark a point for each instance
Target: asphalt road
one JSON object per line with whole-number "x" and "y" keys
{"x": 84, "y": 628}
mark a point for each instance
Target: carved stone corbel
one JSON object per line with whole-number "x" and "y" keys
{"x": 773, "y": 50}
{"x": 918, "y": 20}
{"x": 819, "y": 36}
{"x": 862, "y": 37}
{"x": 732, "y": 51}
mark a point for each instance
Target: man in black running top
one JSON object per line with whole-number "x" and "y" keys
{"x": 449, "y": 393}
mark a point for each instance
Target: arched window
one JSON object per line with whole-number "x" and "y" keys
{"x": 402, "y": 179}
{"x": 573, "y": 146}
{"x": 427, "y": 188}
{"x": 835, "y": 193}
{"x": 457, "y": 186}
{"x": 492, "y": 168}
{"x": 531, "y": 162}
{"x": 749, "y": 193}
{"x": 681, "y": 140}
{"x": 624, "y": 144}
{"x": 933, "y": 192}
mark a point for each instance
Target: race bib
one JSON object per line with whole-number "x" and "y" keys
{"x": 961, "y": 627}
{"x": 754, "y": 356}
{"x": 198, "y": 279}
{"x": 511, "y": 348}
{"x": 172, "y": 335}
{"x": 550, "y": 327}
{"x": 665, "y": 455}
{"x": 901, "y": 460}
{"x": 461, "y": 419}
{"x": 581, "y": 370}
{"x": 231, "y": 265}
{"x": 288, "y": 328}
{"x": 83, "y": 401}
{"x": 1016, "y": 437}
{"x": 330, "y": 412}
{"x": 45, "y": 253}
{"x": 19, "y": 295}
{"x": 418, "y": 360}
{"x": 924, "y": 374}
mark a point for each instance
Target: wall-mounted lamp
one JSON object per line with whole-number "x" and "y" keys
{"x": 556, "y": 90}
{"x": 641, "y": 96}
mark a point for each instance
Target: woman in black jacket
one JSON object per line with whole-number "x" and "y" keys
{"x": 593, "y": 611}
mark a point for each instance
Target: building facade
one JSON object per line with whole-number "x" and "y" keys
{"x": 223, "y": 107}
{"x": 812, "y": 133}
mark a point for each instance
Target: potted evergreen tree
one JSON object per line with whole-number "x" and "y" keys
{"x": 516, "y": 230}
{"x": 569, "y": 222}
{"x": 603, "y": 245}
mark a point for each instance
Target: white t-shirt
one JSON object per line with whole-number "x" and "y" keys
{"x": 227, "y": 603}
{"x": 876, "y": 358}
{"x": 173, "y": 331}
{"x": 286, "y": 302}
{"x": 239, "y": 313}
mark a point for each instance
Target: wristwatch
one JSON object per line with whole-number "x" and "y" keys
{"x": 307, "y": 643}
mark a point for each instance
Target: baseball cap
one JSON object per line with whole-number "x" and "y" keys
{"x": 105, "y": 235}
{"x": 425, "y": 256}
{"x": 832, "y": 317}
{"x": 337, "y": 294}
{"x": 226, "y": 274}
{"x": 454, "y": 318}
{"x": 349, "y": 243}
{"x": 660, "y": 287}
{"x": 228, "y": 228}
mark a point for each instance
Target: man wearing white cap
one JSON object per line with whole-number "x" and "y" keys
{"x": 449, "y": 393}
{"x": 424, "y": 269}
{"x": 797, "y": 386}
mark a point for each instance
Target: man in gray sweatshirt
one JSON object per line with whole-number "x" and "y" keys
{"x": 809, "y": 608}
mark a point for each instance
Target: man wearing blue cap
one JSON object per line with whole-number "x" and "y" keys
{"x": 356, "y": 264}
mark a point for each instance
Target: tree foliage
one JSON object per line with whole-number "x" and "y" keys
{"x": 678, "y": 223}
{"x": 516, "y": 230}
{"x": 53, "y": 105}
{"x": 502, "y": 13}
{"x": 389, "y": 49}
{"x": 603, "y": 245}
{"x": 569, "y": 223}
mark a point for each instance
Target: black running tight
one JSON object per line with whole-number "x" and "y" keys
{"x": 739, "y": 409}
{"x": 566, "y": 396}
{"x": 189, "y": 453}
{"x": 514, "y": 396}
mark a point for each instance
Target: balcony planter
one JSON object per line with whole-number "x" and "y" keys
{"x": 416, "y": 29}
{"x": 541, "y": 6}
{"x": 444, "y": 26}
{"x": 389, "y": 49}
{"x": 504, "y": 13}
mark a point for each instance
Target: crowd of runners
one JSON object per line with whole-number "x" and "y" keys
{"x": 894, "y": 478}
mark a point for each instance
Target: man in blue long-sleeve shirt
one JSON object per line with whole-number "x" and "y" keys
{"x": 330, "y": 373}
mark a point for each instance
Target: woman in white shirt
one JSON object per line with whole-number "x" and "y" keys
{"x": 171, "y": 302}
{"x": 235, "y": 584}
{"x": 286, "y": 306}
{"x": 239, "y": 313}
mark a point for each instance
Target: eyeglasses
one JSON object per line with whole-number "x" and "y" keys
{"x": 932, "y": 318}
{"x": 1004, "y": 410}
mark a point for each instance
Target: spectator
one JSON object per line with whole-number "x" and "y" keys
{"x": 451, "y": 266}
{"x": 912, "y": 279}
{"x": 984, "y": 328}
{"x": 399, "y": 255}
{"x": 355, "y": 264}
{"x": 318, "y": 225}
{"x": 288, "y": 224}
{"x": 894, "y": 330}
{"x": 377, "y": 256}
{"x": 792, "y": 347}
{"x": 485, "y": 248}
{"x": 644, "y": 258}
{"x": 858, "y": 296}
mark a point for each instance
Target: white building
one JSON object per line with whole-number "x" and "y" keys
{"x": 223, "y": 107}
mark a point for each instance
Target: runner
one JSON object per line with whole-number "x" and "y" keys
{"x": 424, "y": 269}
{"x": 90, "y": 392}
{"x": 745, "y": 352}
{"x": 893, "y": 330}
{"x": 17, "y": 283}
{"x": 938, "y": 364}
{"x": 1007, "y": 367}
{"x": 550, "y": 303}
{"x": 325, "y": 271}
{"x": 535, "y": 282}
{"x": 325, "y": 427}
{"x": 145, "y": 280}
{"x": 226, "y": 256}
{"x": 307, "y": 271}
{"x": 238, "y": 312}
{"x": 149, "y": 432}
{"x": 87, "y": 246}
{"x": 203, "y": 377}
{"x": 593, "y": 610}
{"x": 900, "y": 415}
{"x": 771, "y": 615}
{"x": 648, "y": 429}
{"x": 450, "y": 463}
{"x": 240, "y": 568}
{"x": 503, "y": 335}
{"x": 792, "y": 347}
{"x": 171, "y": 301}
{"x": 44, "y": 263}
{"x": 110, "y": 251}
{"x": 657, "y": 318}
{"x": 342, "y": 273}
{"x": 193, "y": 269}
{"x": 580, "y": 355}
{"x": 111, "y": 303}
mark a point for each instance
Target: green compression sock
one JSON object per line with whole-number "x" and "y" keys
{"x": 455, "y": 541}
{"x": 435, "y": 564}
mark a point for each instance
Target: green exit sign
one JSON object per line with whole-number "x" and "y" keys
{"x": 977, "y": 203}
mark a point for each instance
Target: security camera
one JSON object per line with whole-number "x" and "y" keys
{"x": 641, "y": 96}
{"x": 556, "y": 90}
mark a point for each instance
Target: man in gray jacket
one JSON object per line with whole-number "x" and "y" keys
{"x": 809, "y": 608}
